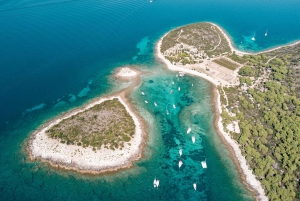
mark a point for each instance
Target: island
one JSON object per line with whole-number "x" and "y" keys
{"x": 257, "y": 103}
{"x": 104, "y": 135}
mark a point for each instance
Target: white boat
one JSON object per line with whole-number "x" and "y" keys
{"x": 253, "y": 38}
{"x": 266, "y": 33}
{"x": 171, "y": 92}
{"x": 204, "y": 165}
{"x": 195, "y": 186}
{"x": 174, "y": 106}
{"x": 167, "y": 112}
{"x": 157, "y": 183}
{"x": 180, "y": 164}
{"x": 188, "y": 131}
{"x": 181, "y": 74}
{"x": 178, "y": 88}
{"x": 143, "y": 93}
{"x": 180, "y": 151}
{"x": 173, "y": 83}
{"x": 192, "y": 85}
{"x": 151, "y": 1}
{"x": 154, "y": 182}
{"x": 146, "y": 101}
{"x": 155, "y": 104}
{"x": 193, "y": 139}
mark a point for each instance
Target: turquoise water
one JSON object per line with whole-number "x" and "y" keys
{"x": 57, "y": 55}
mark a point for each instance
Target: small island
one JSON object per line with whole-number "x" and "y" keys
{"x": 105, "y": 135}
{"x": 257, "y": 103}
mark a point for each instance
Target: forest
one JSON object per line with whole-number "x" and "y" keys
{"x": 266, "y": 106}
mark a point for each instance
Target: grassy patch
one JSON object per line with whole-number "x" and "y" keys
{"x": 226, "y": 63}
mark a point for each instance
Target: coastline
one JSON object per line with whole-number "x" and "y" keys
{"x": 85, "y": 160}
{"x": 246, "y": 174}
{"x": 239, "y": 52}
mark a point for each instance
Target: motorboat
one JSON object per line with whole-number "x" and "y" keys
{"x": 193, "y": 139}
{"x": 180, "y": 163}
{"x": 155, "y": 104}
{"x": 195, "y": 186}
{"x": 188, "y": 130}
{"x": 204, "y": 165}
{"x": 180, "y": 151}
{"x": 174, "y": 106}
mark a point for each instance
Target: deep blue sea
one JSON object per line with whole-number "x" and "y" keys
{"x": 57, "y": 55}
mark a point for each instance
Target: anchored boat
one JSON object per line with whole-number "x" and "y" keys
{"x": 180, "y": 164}
{"x": 204, "y": 165}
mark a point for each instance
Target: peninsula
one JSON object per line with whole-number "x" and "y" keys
{"x": 257, "y": 103}
{"x": 105, "y": 135}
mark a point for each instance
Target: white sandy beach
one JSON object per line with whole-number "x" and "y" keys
{"x": 85, "y": 159}
{"x": 249, "y": 176}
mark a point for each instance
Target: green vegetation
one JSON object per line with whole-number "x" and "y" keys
{"x": 193, "y": 43}
{"x": 107, "y": 123}
{"x": 226, "y": 63}
{"x": 269, "y": 118}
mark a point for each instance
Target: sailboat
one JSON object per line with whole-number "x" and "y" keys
{"x": 193, "y": 139}
{"x": 180, "y": 151}
{"x": 188, "y": 130}
{"x": 174, "y": 106}
{"x": 266, "y": 33}
{"x": 195, "y": 186}
{"x": 204, "y": 165}
{"x": 178, "y": 88}
{"x": 154, "y": 182}
{"x": 155, "y": 104}
{"x": 143, "y": 93}
{"x": 180, "y": 164}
